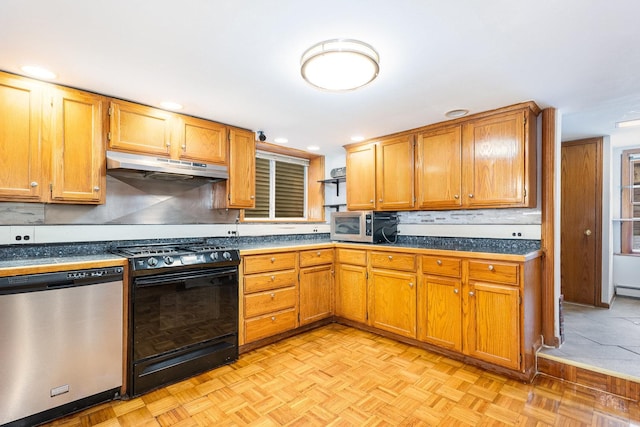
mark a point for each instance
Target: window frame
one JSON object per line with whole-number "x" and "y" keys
{"x": 629, "y": 157}
{"x": 314, "y": 204}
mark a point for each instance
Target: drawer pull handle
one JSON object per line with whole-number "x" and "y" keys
{"x": 491, "y": 267}
{"x": 439, "y": 262}
{"x": 471, "y": 293}
{"x": 272, "y": 295}
{"x": 390, "y": 258}
{"x": 273, "y": 278}
{"x": 455, "y": 291}
{"x": 273, "y": 318}
{"x": 273, "y": 259}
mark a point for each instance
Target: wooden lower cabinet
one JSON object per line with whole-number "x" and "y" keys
{"x": 351, "y": 284}
{"x": 393, "y": 301}
{"x": 316, "y": 293}
{"x": 270, "y": 324}
{"x": 440, "y": 312}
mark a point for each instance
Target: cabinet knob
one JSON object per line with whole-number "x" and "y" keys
{"x": 184, "y": 147}
{"x": 380, "y": 200}
{"x": 272, "y": 295}
{"x": 168, "y": 144}
{"x": 371, "y": 201}
{"x": 96, "y": 188}
{"x": 455, "y": 291}
{"x": 273, "y": 278}
{"x": 273, "y": 318}
{"x": 455, "y": 196}
{"x": 439, "y": 262}
{"x": 411, "y": 284}
{"x": 471, "y": 293}
{"x": 491, "y": 267}
{"x": 318, "y": 253}
{"x": 587, "y": 232}
{"x": 471, "y": 196}
{"x": 252, "y": 197}
{"x": 390, "y": 258}
{"x": 273, "y": 259}
{"x": 34, "y": 184}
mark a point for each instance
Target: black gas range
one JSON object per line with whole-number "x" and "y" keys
{"x": 183, "y": 312}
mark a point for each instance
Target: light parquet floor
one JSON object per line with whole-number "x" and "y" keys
{"x": 340, "y": 376}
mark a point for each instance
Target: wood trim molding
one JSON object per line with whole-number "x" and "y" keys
{"x": 548, "y": 226}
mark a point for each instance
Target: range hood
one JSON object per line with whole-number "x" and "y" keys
{"x": 162, "y": 168}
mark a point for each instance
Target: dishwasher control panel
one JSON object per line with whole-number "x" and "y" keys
{"x": 63, "y": 279}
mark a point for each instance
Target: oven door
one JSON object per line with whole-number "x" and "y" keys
{"x": 182, "y": 324}
{"x": 176, "y": 310}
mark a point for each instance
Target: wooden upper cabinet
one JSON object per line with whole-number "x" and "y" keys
{"x": 202, "y": 140}
{"x": 361, "y": 177}
{"x": 138, "y": 128}
{"x": 439, "y": 169}
{"x": 394, "y": 174}
{"x": 20, "y": 142}
{"x": 241, "y": 185}
{"x": 77, "y": 149}
{"x": 499, "y": 161}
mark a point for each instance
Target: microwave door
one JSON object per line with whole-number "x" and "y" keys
{"x": 348, "y": 226}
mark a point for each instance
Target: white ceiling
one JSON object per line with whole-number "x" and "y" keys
{"x": 238, "y": 61}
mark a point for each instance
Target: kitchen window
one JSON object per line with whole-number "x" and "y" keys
{"x": 281, "y": 188}
{"x": 630, "y": 229}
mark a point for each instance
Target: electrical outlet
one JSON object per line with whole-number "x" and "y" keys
{"x": 22, "y": 234}
{"x": 516, "y": 234}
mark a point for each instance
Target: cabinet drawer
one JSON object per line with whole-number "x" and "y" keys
{"x": 496, "y": 272}
{"x": 441, "y": 266}
{"x": 267, "y": 281}
{"x": 271, "y": 324}
{"x": 269, "y": 262}
{"x": 269, "y": 301}
{"x": 352, "y": 256}
{"x": 316, "y": 257}
{"x": 393, "y": 261}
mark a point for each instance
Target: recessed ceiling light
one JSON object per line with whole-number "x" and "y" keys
{"x": 169, "y": 105}
{"x": 454, "y": 114}
{"x": 628, "y": 123}
{"x": 280, "y": 140}
{"x": 339, "y": 65}
{"x": 313, "y": 148}
{"x": 357, "y": 138}
{"x": 38, "y": 72}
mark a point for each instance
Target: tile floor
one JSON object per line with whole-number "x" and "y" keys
{"x": 608, "y": 339}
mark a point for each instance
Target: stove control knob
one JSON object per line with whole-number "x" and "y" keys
{"x": 226, "y": 255}
{"x": 152, "y": 262}
{"x": 168, "y": 260}
{"x": 214, "y": 256}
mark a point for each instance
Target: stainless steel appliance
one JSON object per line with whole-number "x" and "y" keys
{"x": 364, "y": 226}
{"x": 183, "y": 313}
{"x": 61, "y": 340}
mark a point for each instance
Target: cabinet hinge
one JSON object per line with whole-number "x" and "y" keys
{"x": 520, "y": 300}
{"x": 110, "y": 111}
{"x": 524, "y": 116}
{"x": 51, "y": 189}
{"x": 525, "y": 192}
{"x": 108, "y": 136}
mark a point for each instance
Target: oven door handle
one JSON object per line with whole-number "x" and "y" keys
{"x": 183, "y": 277}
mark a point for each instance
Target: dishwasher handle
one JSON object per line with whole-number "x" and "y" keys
{"x": 63, "y": 279}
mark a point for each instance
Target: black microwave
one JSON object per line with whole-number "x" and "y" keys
{"x": 364, "y": 226}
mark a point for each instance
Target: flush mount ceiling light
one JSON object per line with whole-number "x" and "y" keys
{"x": 339, "y": 65}
{"x": 170, "y": 105}
{"x": 454, "y": 114}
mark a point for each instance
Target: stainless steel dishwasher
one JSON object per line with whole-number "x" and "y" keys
{"x": 60, "y": 343}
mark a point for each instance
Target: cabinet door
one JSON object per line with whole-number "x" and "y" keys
{"x": 20, "y": 143}
{"x": 351, "y": 292}
{"x": 439, "y": 169}
{"x": 394, "y": 182}
{"x": 140, "y": 129}
{"x": 316, "y": 297}
{"x": 202, "y": 140}
{"x": 361, "y": 177}
{"x": 242, "y": 169}
{"x": 492, "y": 324}
{"x": 77, "y": 155}
{"x": 494, "y": 161}
{"x": 394, "y": 302}
{"x": 440, "y": 312}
